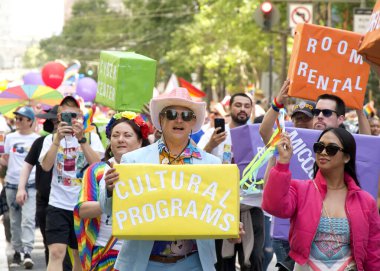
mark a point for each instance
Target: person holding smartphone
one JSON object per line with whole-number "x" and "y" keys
{"x": 218, "y": 142}
{"x": 67, "y": 152}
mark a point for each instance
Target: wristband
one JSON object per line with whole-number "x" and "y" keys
{"x": 274, "y": 107}
{"x": 277, "y": 104}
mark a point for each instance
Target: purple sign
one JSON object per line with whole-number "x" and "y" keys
{"x": 246, "y": 142}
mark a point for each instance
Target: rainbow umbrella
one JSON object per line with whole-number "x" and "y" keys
{"x": 14, "y": 97}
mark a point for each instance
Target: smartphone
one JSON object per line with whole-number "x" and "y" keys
{"x": 219, "y": 122}
{"x": 66, "y": 117}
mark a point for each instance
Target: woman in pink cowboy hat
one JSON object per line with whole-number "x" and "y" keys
{"x": 177, "y": 116}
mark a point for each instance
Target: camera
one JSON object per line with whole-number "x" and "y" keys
{"x": 66, "y": 117}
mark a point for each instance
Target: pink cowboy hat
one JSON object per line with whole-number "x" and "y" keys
{"x": 177, "y": 97}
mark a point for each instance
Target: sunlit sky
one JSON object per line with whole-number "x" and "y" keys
{"x": 32, "y": 18}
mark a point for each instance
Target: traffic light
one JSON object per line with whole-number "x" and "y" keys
{"x": 267, "y": 15}
{"x": 267, "y": 10}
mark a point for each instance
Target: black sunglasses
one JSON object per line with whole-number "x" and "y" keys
{"x": 331, "y": 149}
{"x": 326, "y": 112}
{"x": 171, "y": 114}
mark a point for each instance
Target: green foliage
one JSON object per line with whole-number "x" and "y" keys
{"x": 93, "y": 27}
{"x": 34, "y": 57}
{"x": 217, "y": 39}
{"x": 223, "y": 44}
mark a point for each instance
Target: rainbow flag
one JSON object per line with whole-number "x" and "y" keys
{"x": 369, "y": 109}
{"x": 88, "y": 119}
{"x": 193, "y": 91}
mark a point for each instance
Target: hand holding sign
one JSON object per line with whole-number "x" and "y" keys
{"x": 284, "y": 148}
{"x": 283, "y": 94}
{"x": 110, "y": 178}
{"x": 241, "y": 233}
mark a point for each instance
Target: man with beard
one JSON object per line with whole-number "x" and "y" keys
{"x": 219, "y": 144}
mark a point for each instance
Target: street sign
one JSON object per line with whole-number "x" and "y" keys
{"x": 362, "y": 17}
{"x": 299, "y": 13}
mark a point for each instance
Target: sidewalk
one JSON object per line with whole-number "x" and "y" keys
{"x": 6, "y": 253}
{"x": 3, "y": 250}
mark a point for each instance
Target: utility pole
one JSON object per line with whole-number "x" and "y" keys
{"x": 270, "y": 68}
{"x": 267, "y": 15}
{"x": 284, "y": 55}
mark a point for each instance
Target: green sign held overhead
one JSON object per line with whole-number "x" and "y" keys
{"x": 125, "y": 80}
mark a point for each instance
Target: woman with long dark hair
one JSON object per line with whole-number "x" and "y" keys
{"x": 335, "y": 224}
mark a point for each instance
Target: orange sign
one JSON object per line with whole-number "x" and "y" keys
{"x": 326, "y": 61}
{"x": 370, "y": 46}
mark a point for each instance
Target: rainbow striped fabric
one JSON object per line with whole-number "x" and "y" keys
{"x": 88, "y": 119}
{"x": 103, "y": 261}
{"x": 87, "y": 229}
{"x": 369, "y": 109}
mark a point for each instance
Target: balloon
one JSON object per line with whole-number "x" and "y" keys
{"x": 53, "y": 74}
{"x": 33, "y": 78}
{"x": 86, "y": 88}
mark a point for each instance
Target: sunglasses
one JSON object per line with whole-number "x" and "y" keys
{"x": 171, "y": 114}
{"x": 331, "y": 149}
{"x": 326, "y": 112}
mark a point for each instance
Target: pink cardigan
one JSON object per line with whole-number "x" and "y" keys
{"x": 302, "y": 202}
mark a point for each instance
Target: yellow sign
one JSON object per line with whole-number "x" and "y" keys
{"x": 163, "y": 202}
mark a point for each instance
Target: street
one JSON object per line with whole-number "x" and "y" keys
{"x": 6, "y": 254}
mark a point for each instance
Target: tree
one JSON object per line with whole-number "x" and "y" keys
{"x": 93, "y": 27}
{"x": 222, "y": 44}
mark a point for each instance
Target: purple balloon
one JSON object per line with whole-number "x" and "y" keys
{"x": 33, "y": 78}
{"x": 86, "y": 88}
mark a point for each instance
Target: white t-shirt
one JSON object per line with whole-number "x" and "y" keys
{"x": 105, "y": 229}
{"x": 223, "y": 150}
{"x": 18, "y": 146}
{"x": 67, "y": 170}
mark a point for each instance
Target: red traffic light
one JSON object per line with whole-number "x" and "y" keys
{"x": 266, "y": 7}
